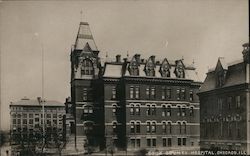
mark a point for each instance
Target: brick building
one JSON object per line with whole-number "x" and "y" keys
{"x": 132, "y": 103}
{"x": 224, "y": 106}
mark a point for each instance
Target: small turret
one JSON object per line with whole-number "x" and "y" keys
{"x": 245, "y": 53}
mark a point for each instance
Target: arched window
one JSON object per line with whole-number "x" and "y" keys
{"x": 164, "y": 110}
{"x": 153, "y": 127}
{"x": 137, "y": 109}
{"x": 179, "y": 126}
{"x": 184, "y": 127}
{"x": 169, "y": 128}
{"x": 169, "y": 111}
{"x": 164, "y": 127}
{"x": 179, "y": 111}
{"x": 138, "y": 127}
{"x": 87, "y": 67}
{"x": 114, "y": 110}
{"x": 132, "y": 110}
{"x": 114, "y": 127}
{"x": 191, "y": 111}
{"x": 132, "y": 127}
{"x": 148, "y": 127}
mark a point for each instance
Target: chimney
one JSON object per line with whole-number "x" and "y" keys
{"x": 118, "y": 58}
{"x": 245, "y": 53}
{"x": 153, "y": 58}
{"x": 137, "y": 57}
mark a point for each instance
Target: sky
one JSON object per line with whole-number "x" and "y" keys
{"x": 193, "y": 29}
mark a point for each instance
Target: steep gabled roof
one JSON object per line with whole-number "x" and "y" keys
{"x": 85, "y": 36}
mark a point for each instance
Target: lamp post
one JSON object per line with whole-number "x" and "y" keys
{"x": 41, "y": 100}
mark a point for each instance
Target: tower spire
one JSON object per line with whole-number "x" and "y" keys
{"x": 81, "y": 16}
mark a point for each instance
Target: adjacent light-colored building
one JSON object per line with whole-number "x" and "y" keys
{"x": 225, "y": 106}
{"x": 26, "y": 120}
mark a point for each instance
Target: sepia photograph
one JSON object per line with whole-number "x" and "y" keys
{"x": 124, "y": 78}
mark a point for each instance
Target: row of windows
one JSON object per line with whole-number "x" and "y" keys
{"x": 87, "y": 67}
{"x": 151, "y": 142}
{"x": 31, "y": 121}
{"x": 224, "y": 129}
{"x": 135, "y": 127}
{"x": 166, "y": 93}
{"x": 229, "y": 102}
{"x": 165, "y": 111}
{"x": 31, "y": 115}
{"x": 30, "y": 108}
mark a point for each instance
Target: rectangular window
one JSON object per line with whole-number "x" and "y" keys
{"x": 137, "y": 92}
{"x": 169, "y": 142}
{"x": 168, "y": 95}
{"x": 220, "y": 103}
{"x": 85, "y": 94}
{"x": 154, "y": 142}
{"x": 179, "y": 141}
{"x": 132, "y": 143}
{"x": 184, "y": 140}
{"x": 131, "y": 92}
{"x": 238, "y": 102}
{"x": 191, "y": 95}
{"x": 183, "y": 94}
{"x": 164, "y": 142}
{"x": 229, "y": 102}
{"x": 113, "y": 92}
{"x": 138, "y": 142}
{"x": 163, "y": 92}
{"x": 178, "y": 95}
{"x": 149, "y": 142}
{"x": 30, "y": 121}
{"x": 147, "y": 92}
{"x": 152, "y": 92}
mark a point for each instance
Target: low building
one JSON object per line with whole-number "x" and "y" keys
{"x": 26, "y": 122}
{"x": 225, "y": 106}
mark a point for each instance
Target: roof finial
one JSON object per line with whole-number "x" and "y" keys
{"x": 193, "y": 62}
{"x": 106, "y": 54}
{"x": 81, "y": 12}
{"x": 127, "y": 54}
{"x": 182, "y": 57}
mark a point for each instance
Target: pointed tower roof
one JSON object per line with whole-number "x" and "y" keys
{"x": 84, "y": 37}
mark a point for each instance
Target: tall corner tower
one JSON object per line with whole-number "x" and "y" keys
{"x": 84, "y": 73}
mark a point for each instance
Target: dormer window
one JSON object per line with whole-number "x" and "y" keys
{"x": 87, "y": 67}
{"x": 133, "y": 68}
{"x": 179, "y": 69}
{"x": 165, "y": 69}
{"x": 220, "y": 79}
{"x": 150, "y": 68}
